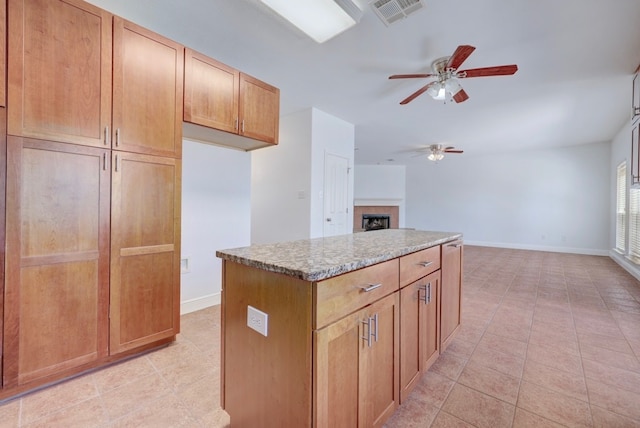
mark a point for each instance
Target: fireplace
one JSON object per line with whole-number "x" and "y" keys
{"x": 381, "y": 216}
{"x": 375, "y": 221}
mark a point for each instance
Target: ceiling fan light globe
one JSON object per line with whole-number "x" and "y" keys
{"x": 433, "y": 90}
{"x": 452, "y": 86}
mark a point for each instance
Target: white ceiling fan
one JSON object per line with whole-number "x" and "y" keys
{"x": 436, "y": 152}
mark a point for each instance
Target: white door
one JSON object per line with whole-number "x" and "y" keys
{"x": 336, "y": 187}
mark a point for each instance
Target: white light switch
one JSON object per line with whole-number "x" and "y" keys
{"x": 184, "y": 265}
{"x": 257, "y": 320}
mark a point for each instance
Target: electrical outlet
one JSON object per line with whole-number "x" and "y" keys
{"x": 257, "y": 320}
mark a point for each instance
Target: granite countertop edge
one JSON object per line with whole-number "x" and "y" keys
{"x": 309, "y": 268}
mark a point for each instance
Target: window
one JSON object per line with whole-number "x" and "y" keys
{"x": 634, "y": 224}
{"x": 621, "y": 207}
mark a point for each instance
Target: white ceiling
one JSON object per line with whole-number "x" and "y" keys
{"x": 576, "y": 59}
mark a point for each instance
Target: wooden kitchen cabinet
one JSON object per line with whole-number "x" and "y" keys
{"x": 147, "y": 91}
{"x": 57, "y": 269}
{"x": 3, "y": 176}
{"x": 62, "y": 88}
{"x": 145, "y": 250}
{"x": 220, "y": 98}
{"x": 59, "y": 71}
{"x": 3, "y": 63}
{"x": 259, "y": 109}
{"x": 342, "y": 348}
{"x": 211, "y": 92}
{"x": 451, "y": 292}
{"x": 419, "y": 330}
{"x": 92, "y": 200}
{"x": 357, "y": 366}
{"x": 299, "y": 375}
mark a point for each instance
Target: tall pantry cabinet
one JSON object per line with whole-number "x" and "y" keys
{"x": 3, "y": 145}
{"x": 93, "y": 189}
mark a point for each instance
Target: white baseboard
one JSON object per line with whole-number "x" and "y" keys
{"x": 198, "y": 303}
{"x": 632, "y": 268}
{"x": 568, "y": 250}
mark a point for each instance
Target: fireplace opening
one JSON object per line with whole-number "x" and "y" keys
{"x": 375, "y": 221}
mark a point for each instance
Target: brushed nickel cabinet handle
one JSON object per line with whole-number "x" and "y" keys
{"x": 117, "y": 137}
{"x": 243, "y": 126}
{"x": 370, "y": 287}
{"x": 116, "y": 163}
{"x": 425, "y": 264}
{"x": 424, "y": 299}
{"x": 106, "y": 135}
{"x": 104, "y": 161}
{"x": 367, "y": 336}
{"x": 375, "y": 320}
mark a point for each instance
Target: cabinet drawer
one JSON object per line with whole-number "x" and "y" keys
{"x": 339, "y": 296}
{"x": 416, "y": 265}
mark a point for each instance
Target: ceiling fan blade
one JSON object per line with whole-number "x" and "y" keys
{"x": 420, "y": 154}
{"x": 416, "y": 93}
{"x": 411, "y": 76}
{"x": 454, "y": 151}
{"x": 499, "y": 70}
{"x": 459, "y": 56}
{"x": 460, "y": 96}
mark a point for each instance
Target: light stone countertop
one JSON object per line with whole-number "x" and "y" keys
{"x": 322, "y": 258}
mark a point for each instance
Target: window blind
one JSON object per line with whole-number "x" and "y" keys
{"x": 634, "y": 223}
{"x": 621, "y": 207}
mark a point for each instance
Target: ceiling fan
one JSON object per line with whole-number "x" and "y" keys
{"x": 445, "y": 69}
{"x": 436, "y": 151}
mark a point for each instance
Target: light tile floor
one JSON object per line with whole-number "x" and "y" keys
{"x": 547, "y": 340}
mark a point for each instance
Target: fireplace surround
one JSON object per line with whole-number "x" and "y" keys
{"x": 390, "y": 211}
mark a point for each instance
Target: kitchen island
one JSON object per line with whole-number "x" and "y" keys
{"x": 335, "y": 331}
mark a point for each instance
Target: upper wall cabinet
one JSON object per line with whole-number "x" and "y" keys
{"x": 259, "y": 109}
{"x": 210, "y": 92}
{"x": 3, "y": 54}
{"x": 61, "y": 86}
{"x": 59, "y": 71}
{"x": 147, "y": 91}
{"x": 220, "y": 98}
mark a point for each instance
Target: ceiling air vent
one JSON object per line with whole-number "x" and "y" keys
{"x": 390, "y": 11}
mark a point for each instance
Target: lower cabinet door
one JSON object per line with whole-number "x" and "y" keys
{"x": 430, "y": 321}
{"x": 145, "y": 250}
{"x": 57, "y": 268}
{"x": 419, "y": 341}
{"x": 451, "y": 295}
{"x": 379, "y": 365}
{"x": 356, "y": 371}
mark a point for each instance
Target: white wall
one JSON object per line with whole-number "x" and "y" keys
{"x": 329, "y": 135}
{"x": 287, "y": 180}
{"x": 376, "y": 185}
{"x": 216, "y": 208}
{"x": 281, "y": 183}
{"x": 555, "y": 199}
